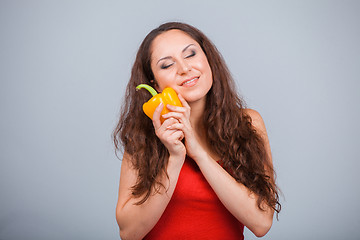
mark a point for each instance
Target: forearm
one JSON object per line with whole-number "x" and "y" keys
{"x": 135, "y": 221}
{"x": 235, "y": 196}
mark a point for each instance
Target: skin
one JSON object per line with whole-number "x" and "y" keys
{"x": 173, "y": 61}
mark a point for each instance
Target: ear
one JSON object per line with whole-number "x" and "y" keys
{"x": 156, "y": 86}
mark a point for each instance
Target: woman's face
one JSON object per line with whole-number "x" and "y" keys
{"x": 177, "y": 61}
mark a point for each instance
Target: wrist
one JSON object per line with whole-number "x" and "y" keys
{"x": 200, "y": 156}
{"x": 177, "y": 158}
{"x": 175, "y": 164}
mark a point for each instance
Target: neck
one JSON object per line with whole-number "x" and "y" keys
{"x": 196, "y": 116}
{"x": 196, "y": 120}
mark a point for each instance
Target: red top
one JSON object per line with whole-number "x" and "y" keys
{"x": 195, "y": 212}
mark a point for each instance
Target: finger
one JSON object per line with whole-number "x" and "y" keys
{"x": 173, "y": 115}
{"x": 182, "y": 136}
{"x": 183, "y": 101}
{"x": 164, "y": 126}
{"x": 167, "y": 135}
{"x": 156, "y": 116}
{"x": 169, "y": 121}
{"x": 175, "y": 108}
{"x": 176, "y": 126}
{"x": 178, "y": 135}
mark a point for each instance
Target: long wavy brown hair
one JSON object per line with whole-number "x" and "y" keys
{"x": 228, "y": 128}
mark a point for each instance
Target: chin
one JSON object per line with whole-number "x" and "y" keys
{"x": 196, "y": 94}
{"x": 194, "y": 98}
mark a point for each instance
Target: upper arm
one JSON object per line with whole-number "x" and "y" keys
{"x": 259, "y": 125}
{"x": 128, "y": 178}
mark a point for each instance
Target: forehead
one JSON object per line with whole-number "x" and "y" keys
{"x": 172, "y": 40}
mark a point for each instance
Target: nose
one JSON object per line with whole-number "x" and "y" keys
{"x": 183, "y": 67}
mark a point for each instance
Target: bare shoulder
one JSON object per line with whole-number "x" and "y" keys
{"x": 127, "y": 168}
{"x": 259, "y": 125}
{"x": 257, "y": 120}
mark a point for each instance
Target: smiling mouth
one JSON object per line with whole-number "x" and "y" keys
{"x": 189, "y": 81}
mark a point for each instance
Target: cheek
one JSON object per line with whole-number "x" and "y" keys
{"x": 208, "y": 72}
{"x": 206, "y": 68}
{"x": 163, "y": 78}
{"x": 204, "y": 64}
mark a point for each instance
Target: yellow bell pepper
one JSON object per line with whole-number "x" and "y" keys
{"x": 168, "y": 96}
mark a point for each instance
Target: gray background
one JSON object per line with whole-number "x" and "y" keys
{"x": 64, "y": 66}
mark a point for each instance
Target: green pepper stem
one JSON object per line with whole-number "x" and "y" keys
{"x": 147, "y": 87}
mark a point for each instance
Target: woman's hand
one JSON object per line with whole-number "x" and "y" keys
{"x": 171, "y": 138}
{"x": 182, "y": 123}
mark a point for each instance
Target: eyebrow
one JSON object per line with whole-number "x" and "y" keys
{"x": 168, "y": 57}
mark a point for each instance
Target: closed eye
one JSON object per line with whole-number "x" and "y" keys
{"x": 193, "y": 53}
{"x": 166, "y": 66}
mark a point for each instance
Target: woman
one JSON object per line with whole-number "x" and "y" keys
{"x": 206, "y": 171}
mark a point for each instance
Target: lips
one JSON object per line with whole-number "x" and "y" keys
{"x": 189, "y": 81}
